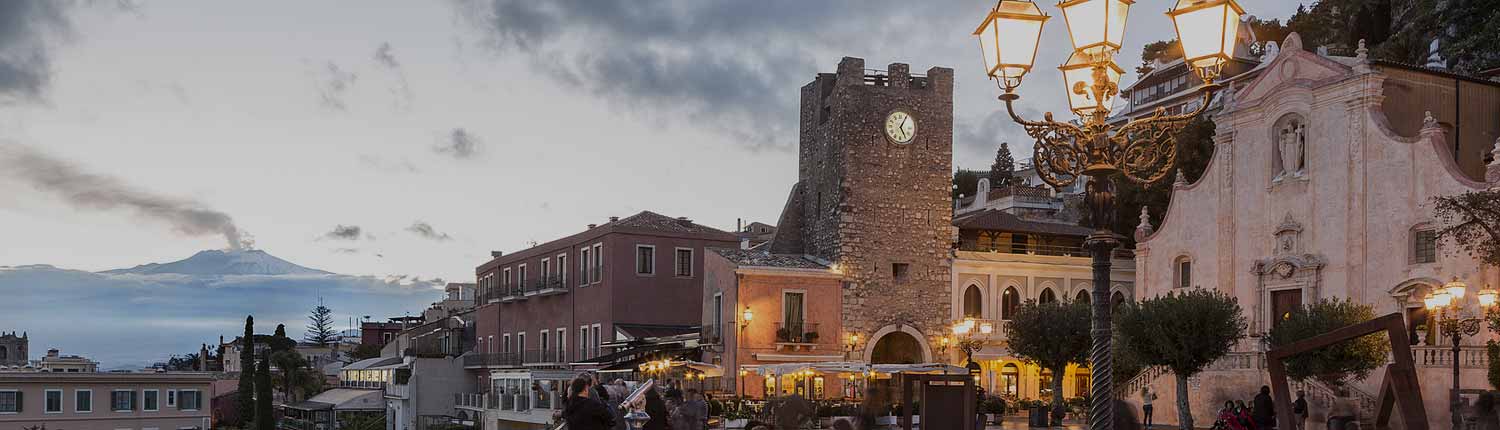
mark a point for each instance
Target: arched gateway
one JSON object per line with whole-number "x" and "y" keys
{"x": 901, "y": 344}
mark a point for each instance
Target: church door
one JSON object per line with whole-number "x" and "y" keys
{"x": 1283, "y": 303}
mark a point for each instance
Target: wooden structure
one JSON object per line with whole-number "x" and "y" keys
{"x": 948, "y": 401}
{"x": 1399, "y": 387}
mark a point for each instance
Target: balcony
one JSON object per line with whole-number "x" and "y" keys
{"x": 711, "y": 334}
{"x": 497, "y": 359}
{"x": 476, "y": 401}
{"x": 540, "y": 357}
{"x": 397, "y": 391}
{"x": 549, "y": 286}
{"x": 797, "y": 335}
{"x": 1469, "y": 357}
{"x": 999, "y": 330}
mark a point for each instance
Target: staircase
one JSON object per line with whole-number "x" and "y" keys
{"x": 1321, "y": 396}
{"x": 1143, "y": 378}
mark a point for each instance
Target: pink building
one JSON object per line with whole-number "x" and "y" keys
{"x": 106, "y": 401}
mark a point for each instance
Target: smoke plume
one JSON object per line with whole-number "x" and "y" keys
{"x": 90, "y": 191}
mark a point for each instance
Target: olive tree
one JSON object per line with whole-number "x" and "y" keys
{"x": 1051, "y": 335}
{"x": 1184, "y": 332}
{"x": 1336, "y": 364}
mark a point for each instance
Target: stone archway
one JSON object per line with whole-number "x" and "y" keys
{"x": 898, "y": 344}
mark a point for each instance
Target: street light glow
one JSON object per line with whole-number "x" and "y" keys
{"x": 1009, "y": 37}
{"x": 1207, "y": 30}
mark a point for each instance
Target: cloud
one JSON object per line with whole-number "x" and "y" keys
{"x": 346, "y": 250}
{"x": 979, "y": 139}
{"x": 25, "y": 60}
{"x": 332, "y": 83}
{"x": 90, "y": 191}
{"x": 401, "y": 165}
{"x": 343, "y": 232}
{"x": 400, "y": 90}
{"x": 425, "y": 230}
{"x": 730, "y": 67}
{"x": 459, "y": 144}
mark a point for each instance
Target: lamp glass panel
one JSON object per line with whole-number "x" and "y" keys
{"x": 1442, "y": 298}
{"x": 1487, "y": 297}
{"x": 1086, "y": 22}
{"x": 1231, "y": 33}
{"x": 1078, "y": 74}
{"x": 1457, "y": 289}
{"x": 988, "y": 42}
{"x": 1018, "y": 42}
{"x": 1199, "y": 32}
{"x": 1115, "y": 23}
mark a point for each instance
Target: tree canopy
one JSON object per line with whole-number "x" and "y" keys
{"x": 320, "y": 325}
{"x": 1003, "y": 171}
{"x": 1471, "y": 222}
{"x": 1051, "y": 335}
{"x": 1183, "y": 331}
{"x": 1333, "y": 365}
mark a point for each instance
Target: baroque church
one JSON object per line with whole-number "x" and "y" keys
{"x": 1321, "y": 186}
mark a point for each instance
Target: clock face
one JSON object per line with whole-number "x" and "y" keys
{"x": 900, "y": 127}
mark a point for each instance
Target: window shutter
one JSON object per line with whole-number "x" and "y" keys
{"x": 178, "y": 395}
{"x": 198, "y": 400}
{"x": 20, "y": 401}
{"x": 132, "y": 401}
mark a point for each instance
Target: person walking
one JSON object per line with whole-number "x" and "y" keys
{"x": 1264, "y": 412}
{"x": 1299, "y": 411}
{"x": 658, "y": 411}
{"x": 1146, "y": 397}
{"x": 582, "y": 411}
{"x": 688, "y": 414}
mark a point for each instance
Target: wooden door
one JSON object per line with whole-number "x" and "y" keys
{"x": 1283, "y": 303}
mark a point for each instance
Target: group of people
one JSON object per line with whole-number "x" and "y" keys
{"x": 1260, "y": 414}
{"x": 593, "y": 405}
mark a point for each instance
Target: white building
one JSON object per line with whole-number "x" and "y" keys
{"x": 1321, "y": 187}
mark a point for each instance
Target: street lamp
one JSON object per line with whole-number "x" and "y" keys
{"x": 1453, "y": 318}
{"x": 967, "y": 332}
{"x": 1143, "y": 150}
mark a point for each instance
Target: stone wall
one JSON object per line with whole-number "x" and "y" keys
{"x": 869, "y": 203}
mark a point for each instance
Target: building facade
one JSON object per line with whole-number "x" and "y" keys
{"x": 873, "y": 198}
{"x": 794, "y": 304}
{"x": 1321, "y": 187}
{"x": 54, "y": 361}
{"x": 13, "y": 350}
{"x": 106, "y": 401}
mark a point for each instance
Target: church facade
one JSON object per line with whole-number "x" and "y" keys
{"x": 1320, "y": 187}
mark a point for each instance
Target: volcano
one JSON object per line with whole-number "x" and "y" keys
{"x": 222, "y": 263}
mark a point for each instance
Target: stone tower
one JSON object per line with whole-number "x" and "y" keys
{"x": 873, "y": 198}
{"x": 13, "y": 350}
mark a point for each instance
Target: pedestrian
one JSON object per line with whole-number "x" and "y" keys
{"x": 582, "y": 411}
{"x": 1343, "y": 412}
{"x": 1242, "y": 414}
{"x": 870, "y": 409}
{"x": 658, "y": 411}
{"x": 1265, "y": 409}
{"x": 1146, "y": 398}
{"x": 688, "y": 414}
{"x": 979, "y": 408}
{"x": 1486, "y": 406}
{"x": 1229, "y": 419}
{"x": 1299, "y": 411}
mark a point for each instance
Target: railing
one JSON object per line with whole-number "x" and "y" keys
{"x": 1469, "y": 357}
{"x": 400, "y": 391}
{"x": 290, "y": 423}
{"x": 1022, "y": 194}
{"x": 1140, "y": 380}
{"x": 475, "y": 400}
{"x": 492, "y": 295}
{"x": 797, "y": 332}
{"x": 711, "y": 334}
{"x": 494, "y": 359}
{"x": 999, "y": 330}
{"x": 1007, "y": 248}
{"x": 540, "y": 356}
{"x": 369, "y": 385}
{"x": 547, "y": 286}
{"x": 1322, "y": 397}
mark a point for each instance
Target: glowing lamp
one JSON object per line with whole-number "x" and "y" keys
{"x": 747, "y": 315}
{"x": 986, "y": 328}
{"x": 1009, "y": 37}
{"x": 1096, "y": 26}
{"x": 1441, "y": 298}
{"x": 1488, "y": 296}
{"x": 1092, "y": 82}
{"x": 1456, "y": 288}
{"x": 1207, "y": 31}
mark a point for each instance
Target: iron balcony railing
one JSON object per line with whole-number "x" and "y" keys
{"x": 540, "y": 356}
{"x": 494, "y": 359}
{"x": 711, "y": 334}
{"x": 797, "y": 332}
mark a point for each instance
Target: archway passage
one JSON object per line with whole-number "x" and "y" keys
{"x": 897, "y": 348}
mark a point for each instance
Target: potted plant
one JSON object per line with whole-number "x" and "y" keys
{"x": 1422, "y": 334}
{"x": 994, "y": 409}
{"x": 783, "y": 334}
{"x": 1038, "y": 413}
{"x": 736, "y": 416}
{"x": 810, "y": 337}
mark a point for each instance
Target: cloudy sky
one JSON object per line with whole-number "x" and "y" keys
{"x": 398, "y": 137}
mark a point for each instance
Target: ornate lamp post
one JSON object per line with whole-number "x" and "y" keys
{"x": 965, "y": 331}
{"x": 1142, "y": 151}
{"x": 1453, "y": 318}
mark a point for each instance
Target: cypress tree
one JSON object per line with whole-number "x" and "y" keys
{"x": 263, "y": 416}
{"x": 245, "y": 402}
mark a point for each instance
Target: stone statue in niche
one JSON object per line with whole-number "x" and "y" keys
{"x": 1291, "y": 146}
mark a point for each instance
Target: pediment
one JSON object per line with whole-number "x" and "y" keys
{"x": 1293, "y": 66}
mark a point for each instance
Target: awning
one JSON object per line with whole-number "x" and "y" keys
{"x": 853, "y": 367}
{"x": 349, "y": 399}
{"x": 708, "y": 370}
{"x": 309, "y": 405}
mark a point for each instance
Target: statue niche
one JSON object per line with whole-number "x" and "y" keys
{"x": 1290, "y": 137}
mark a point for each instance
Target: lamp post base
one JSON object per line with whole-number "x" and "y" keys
{"x": 1101, "y": 245}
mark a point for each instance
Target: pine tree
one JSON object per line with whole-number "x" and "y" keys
{"x": 280, "y": 330}
{"x": 245, "y": 402}
{"x": 1003, "y": 172}
{"x": 320, "y": 325}
{"x": 264, "y": 418}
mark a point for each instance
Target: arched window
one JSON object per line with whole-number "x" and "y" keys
{"x": 1009, "y": 303}
{"x": 1117, "y": 299}
{"x": 1082, "y": 297}
{"x": 1047, "y": 296}
{"x": 973, "y": 303}
{"x": 1182, "y": 272}
{"x": 1010, "y": 379}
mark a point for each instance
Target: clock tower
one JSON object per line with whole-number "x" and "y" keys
{"x": 873, "y": 198}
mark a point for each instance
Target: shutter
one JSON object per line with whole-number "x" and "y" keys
{"x": 132, "y": 401}
{"x": 198, "y": 400}
{"x": 178, "y": 395}
{"x": 20, "y": 401}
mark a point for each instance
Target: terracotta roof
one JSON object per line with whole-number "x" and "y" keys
{"x": 656, "y": 221}
{"x": 747, "y": 257}
{"x": 992, "y": 219}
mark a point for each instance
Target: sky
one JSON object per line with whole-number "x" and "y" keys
{"x": 380, "y": 138}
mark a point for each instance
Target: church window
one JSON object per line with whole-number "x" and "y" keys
{"x": 1183, "y": 272}
{"x": 1424, "y": 246}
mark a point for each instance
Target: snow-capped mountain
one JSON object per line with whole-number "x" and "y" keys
{"x": 216, "y": 263}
